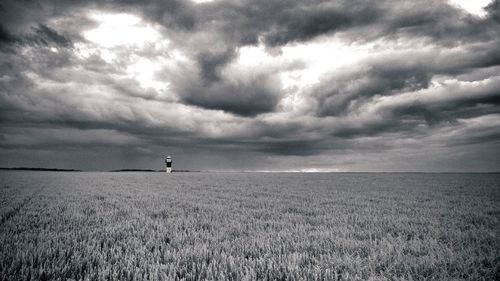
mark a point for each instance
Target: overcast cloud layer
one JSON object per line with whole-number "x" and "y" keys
{"x": 348, "y": 85}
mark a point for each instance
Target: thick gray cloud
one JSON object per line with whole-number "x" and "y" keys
{"x": 246, "y": 85}
{"x": 405, "y": 72}
{"x": 246, "y": 96}
{"x": 45, "y": 35}
{"x": 5, "y": 36}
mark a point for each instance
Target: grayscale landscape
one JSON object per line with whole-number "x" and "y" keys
{"x": 249, "y": 226}
{"x": 249, "y": 140}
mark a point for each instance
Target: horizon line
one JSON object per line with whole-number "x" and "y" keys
{"x": 305, "y": 171}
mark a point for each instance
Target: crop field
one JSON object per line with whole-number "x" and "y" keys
{"x": 249, "y": 226}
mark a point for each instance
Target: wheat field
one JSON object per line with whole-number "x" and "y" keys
{"x": 249, "y": 226}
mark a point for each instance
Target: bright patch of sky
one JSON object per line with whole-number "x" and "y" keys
{"x": 120, "y": 29}
{"x": 315, "y": 58}
{"x": 124, "y": 37}
{"x": 475, "y": 7}
{"x": 201, "y": 1}
{"x": 144, "y": 70}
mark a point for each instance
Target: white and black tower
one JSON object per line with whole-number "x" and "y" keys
{"x": 168, "y": 163}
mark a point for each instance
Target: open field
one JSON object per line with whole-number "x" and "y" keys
{"x": 249, "y": 226}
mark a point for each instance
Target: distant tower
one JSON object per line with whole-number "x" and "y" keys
{"x": 168, "y": 162}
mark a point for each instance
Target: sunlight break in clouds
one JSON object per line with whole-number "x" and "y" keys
{"x": 144, "y": 71}
{"x": 201, "y": 1}
{"x": 120, "y": 29}
{"x": 307, "y": 61}
{"x": 115, "y": 31}
{"x": 475, "y": 7}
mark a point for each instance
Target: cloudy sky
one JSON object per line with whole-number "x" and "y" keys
{"x": 347, "y": 85}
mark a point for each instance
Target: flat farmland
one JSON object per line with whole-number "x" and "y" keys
{"x": 249, "y": 226}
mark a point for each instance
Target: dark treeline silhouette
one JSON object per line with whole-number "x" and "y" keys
{"x": 147, "y": 170}
{"x": 39, "y": 169}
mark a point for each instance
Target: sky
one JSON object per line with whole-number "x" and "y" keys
{"x": 251, "y": 85}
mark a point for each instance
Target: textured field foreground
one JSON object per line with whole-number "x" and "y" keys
{"x": 249, "y": 226}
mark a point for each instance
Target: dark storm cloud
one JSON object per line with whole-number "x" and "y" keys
{"x": 438, "y": 85}
{"x": 449, "y": 110}
{"x": 247, "y": 97}
{"x": 18, "y": 17}
{"x": 277, "y": 22}
{"x": 45, "y": 35}
{"x": 369, "y": 129}
{"x": 281, "y": 22}
{"x": 279, "y": 147}
{"x": 399, "y": 73}
{"x": 295, "y": 147}
{"x": 494, "y": 10}
{"x": 5, "y": 36}
{"x": 28, "y": 21}
{"x": 300, "y": 22}
{"x": 479, "y": 136}
{"x": 405, "y": 117}
{"x": 340, "y": 95}
{"x": 178, "y": 14}
{"x": 211, "y": 64}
